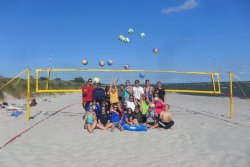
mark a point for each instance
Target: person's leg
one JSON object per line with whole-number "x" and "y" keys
{"x": 89, "y": 128}
{"x": 148, "y": 125}
{"x": 144, "y": 118}
{"x": 100, "y": 126}
{"x": 169, "y": 124}
{"x": 94, "y": 125}
{"x": 135, "y": 122}
{"x": 154, "y": 126}
{"x": 162, "y": 124}
{"x": 109, "y": 125}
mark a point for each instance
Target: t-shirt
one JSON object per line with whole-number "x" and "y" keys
{"x": 137, "y": 116}
{"x": 137, "y": 92}
{"x": 121, "y": 94}
{"x": 130, "y": 104}
{"x": 124, "y": 118}
{"x": 159, "y": 106}
{"x": 126, "y": 92}
{"x": 145, "y": 107}
{"x": 115, "y": 117}
{"x": 161, "y": 93}
{"x": 103, "y": 118}
{"x": 151, "y": 116}
{"x": 87, "y": 92}
{"x": 114, "y": 96}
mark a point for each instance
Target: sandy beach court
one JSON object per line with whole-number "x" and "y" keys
{"x": 203, "y": 135}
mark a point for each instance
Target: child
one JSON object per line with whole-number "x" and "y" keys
{"x": 103, "y": 121}
{"x": 151, "y": 119}
{"x": 90, "y": 119}
{"x": 166, "y": 120}
{"x": 96, "y": 107}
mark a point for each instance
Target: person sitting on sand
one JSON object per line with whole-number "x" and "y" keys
{"x": 104, "y": 120}
{"x": 115, "y": 115}
{"x": 151, "y": 119}
{"x": 166, "y": 120}
{"x": 90, "y": 119}
{"x": 137, "y": 116}
{"x": 159, "y": 105}
{"x": 127, "y": 117}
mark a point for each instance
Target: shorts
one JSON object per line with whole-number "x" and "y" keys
{"x": 117, "y": 124}
{"x": 151, "y": 123}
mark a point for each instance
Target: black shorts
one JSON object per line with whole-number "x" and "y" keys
{"x": 151, "y": 123}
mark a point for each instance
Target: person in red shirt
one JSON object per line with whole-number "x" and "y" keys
{"x": 87, "y": 91}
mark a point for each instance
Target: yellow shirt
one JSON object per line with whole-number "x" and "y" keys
{"x": 113, "y": 96}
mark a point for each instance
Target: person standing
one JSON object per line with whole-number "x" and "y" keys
{"x": 99, "y": 93}
{"x": 128, "y": 90}
{"x": 87, "y": 91}
{"x": 160, "y": 90}
{"x": 138, "y": 90}
{"x": 148, "y": 90}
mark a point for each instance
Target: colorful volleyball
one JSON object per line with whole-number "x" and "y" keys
{"x": 130, "y": 31}
{"x": 122, "y": 38}
{"x": 141, "y": 75}
{"x": 127, "y": 67}
{"x": 126, "y": 40}
{"x": 84, "y": 62}
{"x": 96, "y": 80}
{"x": 101, "y": 63}
{"x": 155, "y": 51}
{"x": 109, "y": 62}
{"x": 142, "y": 35}
{"x": 156, "y": 99}
{"x": 152, "y": 106}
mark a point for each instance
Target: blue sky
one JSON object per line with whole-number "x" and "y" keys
{"x": 186, "y": 32}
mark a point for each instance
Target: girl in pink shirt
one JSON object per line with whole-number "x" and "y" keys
{"x": 159, "y": 105}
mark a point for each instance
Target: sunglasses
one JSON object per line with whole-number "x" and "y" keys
{"x": 115, "y": 107}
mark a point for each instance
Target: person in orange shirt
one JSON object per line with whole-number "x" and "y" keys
{"x": 113, "y": 91}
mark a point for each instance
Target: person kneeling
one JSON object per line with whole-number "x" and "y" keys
{"x": 90, "y": 118}
{"x": 165, "y": 120}
{"x": 151, "y": 119}
{"x": 104, "y": 120}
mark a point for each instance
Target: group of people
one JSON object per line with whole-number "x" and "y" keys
{"x": 110, "y": 107}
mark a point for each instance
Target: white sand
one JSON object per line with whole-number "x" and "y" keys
{"x": 203, "y": 136}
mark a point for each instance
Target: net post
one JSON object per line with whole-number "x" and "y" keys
{"x": 47, "y": 83}
{"x": 212, "y": 77}
{"x": 28, "y": 94}
{"x": 231, "y": 94}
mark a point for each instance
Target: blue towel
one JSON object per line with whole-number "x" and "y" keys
{"x": 16, "y": 113}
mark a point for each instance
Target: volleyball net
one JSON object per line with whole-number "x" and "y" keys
{"x": 72, "y": 80}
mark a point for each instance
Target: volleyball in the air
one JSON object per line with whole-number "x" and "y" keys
{"x": 130, "y": 31}
{"x": 152, "y": 106}
{"x": 142, "y": 35}
{"x": 109, "y": 62}
{"x": 122, "y": 38}
{"x": 141, "y": 75}
{"x": 155, "y": 51}
{"x": 101, "y": 63}
{"x": 96, "y": 80}
{"x": 84, "y": 62}
{"x": 126, "y": 66}
{"x": 126, "y": 40}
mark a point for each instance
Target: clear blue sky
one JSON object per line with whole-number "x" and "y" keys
{"x": 186, "y": 32}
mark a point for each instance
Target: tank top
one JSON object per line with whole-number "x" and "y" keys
{"x": 89, "y": 118}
